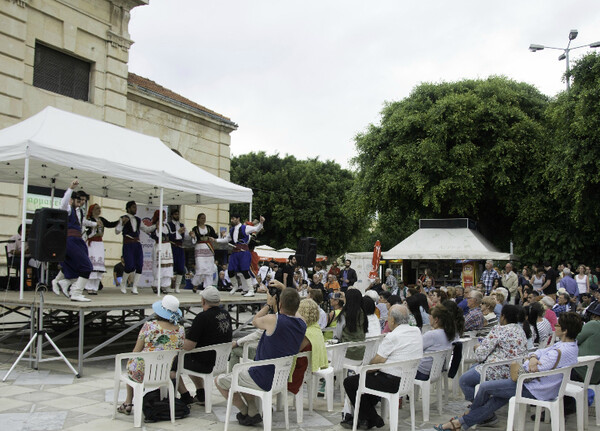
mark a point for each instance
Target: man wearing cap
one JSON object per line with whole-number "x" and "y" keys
{"x": 133, "y": 255}
{"x": 240, "y": 259}
{"x": 283, "y": 336}
{"x": 77, "y": 267}
{"x": 212, "y": 326}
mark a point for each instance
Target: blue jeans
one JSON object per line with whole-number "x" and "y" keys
{"x": 492, "y": 395}
{"x": 468, "y": 381}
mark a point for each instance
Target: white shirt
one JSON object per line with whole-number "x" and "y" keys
{"x": 236, "y": 232}
{"x": 322, "y": 318}
{"x": 402, "y": 344}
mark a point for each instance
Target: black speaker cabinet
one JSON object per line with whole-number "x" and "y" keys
{"x": 48, "y": 235}
{"x": 306, "y": 252}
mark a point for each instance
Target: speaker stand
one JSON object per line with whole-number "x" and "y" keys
{"x": 39, "y": 336}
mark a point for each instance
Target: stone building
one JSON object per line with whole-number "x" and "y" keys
{"x": 73, "y": 54}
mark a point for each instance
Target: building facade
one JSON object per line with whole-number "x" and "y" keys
{"x": 73, "y": 54}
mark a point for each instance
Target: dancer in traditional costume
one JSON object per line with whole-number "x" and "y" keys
{"x": 202, "y": 237}
{"x": 239, "y": 262}
{"x": 77, "y": 267}
{"x": 96, "y": 247}
{"x": 176, "y": 234}
{"x": 165, "y": 252}
{"x": 130, "y": 225}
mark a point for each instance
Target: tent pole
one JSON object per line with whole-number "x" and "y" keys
{"x": 24, "y": 227}
{"x": 250, "y": 213}
{"x": 160, "y": 232}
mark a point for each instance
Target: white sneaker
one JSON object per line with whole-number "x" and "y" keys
{"x": 55, "y": 287}
{"x": 134, "y": 290}
{"x": 250, "y": 293}
{"x": 123, "y": 290}
{"x": 177, "y": 290}
{"x": 232, "y": 291}
{"x": 80, "y": 298}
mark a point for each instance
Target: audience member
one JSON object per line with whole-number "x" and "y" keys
{"x": 404, "y": 342}
{"x": 368, "y": 307}
{"x": 283, "y": 335}
{"x": 352, "y": 325}
{"x": 542, "y": 330}
{"x": 549, "y": 314}
{"x": 441, "y": 336}
{"x": 474, "y": 319}
{"x": 212, "y": 326}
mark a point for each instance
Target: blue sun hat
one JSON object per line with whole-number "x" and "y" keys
{"x": 168, "y": 308}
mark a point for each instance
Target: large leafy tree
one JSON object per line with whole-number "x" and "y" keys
{"x": 569, "y": 186}
{"x": 461, "y": 149}
{"x": 300, "y": 198}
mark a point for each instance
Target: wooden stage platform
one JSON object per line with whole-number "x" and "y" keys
{"x": 112, "y": 312}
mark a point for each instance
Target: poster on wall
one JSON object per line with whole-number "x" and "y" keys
{"x": 468, "y": 274}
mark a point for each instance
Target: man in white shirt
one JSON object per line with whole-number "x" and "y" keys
{"x": 402, "y": 343}
{"x": 510, "y": 281}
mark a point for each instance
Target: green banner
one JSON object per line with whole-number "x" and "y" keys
{"x": 35, "y": 202}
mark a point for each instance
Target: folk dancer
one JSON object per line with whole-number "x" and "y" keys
{"x": 77, "y": 267}
{"x": 130, "y": 225}
{"x": 176, "y": 233}
{"x": 204, "y": 253}
{"x": 240, "y": 259}
{"x": 96, "y": 247}
{"x": 166, "y": 257}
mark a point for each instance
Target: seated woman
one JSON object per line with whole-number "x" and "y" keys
{"x": 368, "y": 307}
{"x": 162, "y": 333}
{"x": 313, "y": 342}
{"x": 441, "y": 336}
{"x": 542, "y": 329}
{"x": 505, "y": 341}
{"x": 487, "y": 308}
{"x": 494, "y": 394}
{"x": 352, "y": 325}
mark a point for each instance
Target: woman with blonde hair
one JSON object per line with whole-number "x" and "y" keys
{"x": 313, "y": 342}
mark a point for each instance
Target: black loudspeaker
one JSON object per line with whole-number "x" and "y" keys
{"x": 48, "y": 235}
{"x": 306, "y": 252}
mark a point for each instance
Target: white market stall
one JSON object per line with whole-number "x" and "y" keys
{"x": 52, "y": 147}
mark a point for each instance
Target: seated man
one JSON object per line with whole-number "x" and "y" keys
{"x": 474, "y": 319}
{"x": 283, "y": 335}
{"x": 402, "y": 343}
{"x": 212, "y": 326}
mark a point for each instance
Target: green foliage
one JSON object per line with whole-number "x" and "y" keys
{"x": 451, "y": 150}
{"x": 298, "y": 198}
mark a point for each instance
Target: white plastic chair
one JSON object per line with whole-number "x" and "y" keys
{"x": 488, "y": 365}
{"x": 578, "y": 390}
{"x": 336, "y": 354}
{"x": 371, "y": 346}
{"x": 283, "y": 367}
{"x": 157, "y": 369}
{"x": 555, "y": 406}
{"x": 222, "y": 356}
{"x": 407, "y": 378}
{"x": 245, "y": 351}
{"x": 459, "y": 371}
{"x": 435, "y": 377}
{"x": 299, "y": 397}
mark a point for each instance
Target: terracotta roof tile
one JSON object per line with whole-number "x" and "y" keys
{"x": 150, "y": 86}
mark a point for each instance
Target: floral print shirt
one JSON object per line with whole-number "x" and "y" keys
{"x": 503, "y": 342}
{"x": 155, "y": 338}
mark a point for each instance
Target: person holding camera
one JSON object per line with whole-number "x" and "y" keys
{"x": 283, "y": 335}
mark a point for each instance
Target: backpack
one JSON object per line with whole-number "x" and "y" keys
{"x": 156, "y": 409}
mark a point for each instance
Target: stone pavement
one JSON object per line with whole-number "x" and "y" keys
{"x": 52, "y": 399}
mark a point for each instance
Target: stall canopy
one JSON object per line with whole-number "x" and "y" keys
{"x": 269, "y": 253}
{"x": 446, "y": 239}
{"x": 109, "y": 160}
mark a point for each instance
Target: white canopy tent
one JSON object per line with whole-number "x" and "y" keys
{"x": 53, "y": 147}
{"x": 446, "y": 243}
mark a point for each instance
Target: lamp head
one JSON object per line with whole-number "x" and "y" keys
{"x": 573, "y": 34}
{"x": 595, "y": 45}
{"x": 561, "y": 57}
{"x": 533, "y": 47}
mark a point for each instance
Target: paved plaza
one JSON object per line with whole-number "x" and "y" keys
{"x": 53, "y": 399}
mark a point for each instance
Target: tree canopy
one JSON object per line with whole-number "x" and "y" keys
{"x": 299, "y": 198}
{"x": 451, "y": 150}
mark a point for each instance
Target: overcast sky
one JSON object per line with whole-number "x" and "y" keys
{"x": 304, "y": 77}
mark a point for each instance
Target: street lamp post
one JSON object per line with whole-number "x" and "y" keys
{"x": 565, "y": 55}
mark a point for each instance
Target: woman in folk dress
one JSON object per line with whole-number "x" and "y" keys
{"x": 96, "y": 247}
{"x": 166, "y": 257}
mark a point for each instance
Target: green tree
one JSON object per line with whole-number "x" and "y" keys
{"x": 459, "y": 149}
{"x": 299, "y": 198}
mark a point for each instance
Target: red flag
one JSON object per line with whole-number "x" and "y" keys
{"x": 375, "y": 262}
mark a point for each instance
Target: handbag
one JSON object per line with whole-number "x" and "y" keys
{"x": 516, "y": 368}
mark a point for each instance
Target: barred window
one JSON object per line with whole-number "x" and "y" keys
{"x": 61, "y": 73}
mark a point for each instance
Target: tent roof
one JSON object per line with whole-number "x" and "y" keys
{"x": 109, "y": 160}
{"x": 446, "y": 243}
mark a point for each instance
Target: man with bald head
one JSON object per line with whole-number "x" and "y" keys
{"x": 402, "y": 343}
